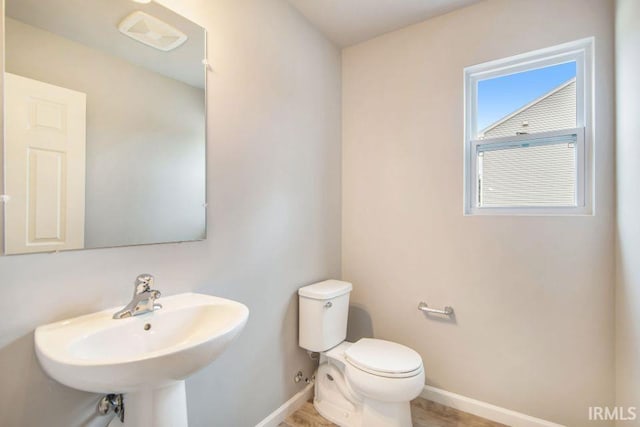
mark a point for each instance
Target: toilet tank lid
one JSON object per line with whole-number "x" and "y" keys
{"x": 325, "y": 290}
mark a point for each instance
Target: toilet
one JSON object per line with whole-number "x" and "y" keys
{"x": 368, "y": 383}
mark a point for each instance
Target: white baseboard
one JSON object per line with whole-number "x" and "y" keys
{"x": 482, "y": 409}
{"x": 452, "y": 400}
{"x": 289, "y": 407}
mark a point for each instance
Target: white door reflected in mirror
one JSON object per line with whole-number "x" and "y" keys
{"x": 45, "y": 144}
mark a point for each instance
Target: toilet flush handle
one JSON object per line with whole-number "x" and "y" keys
{"x": 328, "y": 305}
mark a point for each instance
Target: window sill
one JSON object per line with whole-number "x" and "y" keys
{"x": 530, "y": 211}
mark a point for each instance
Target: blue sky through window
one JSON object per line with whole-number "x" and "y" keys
{"x": 501, "y": 96}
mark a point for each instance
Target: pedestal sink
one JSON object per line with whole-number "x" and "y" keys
{"x": 145, "y": 357}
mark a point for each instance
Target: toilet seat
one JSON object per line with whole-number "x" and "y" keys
{"x": 384, "y": 358}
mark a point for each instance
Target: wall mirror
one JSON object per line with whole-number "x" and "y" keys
{"x": 104, "y": 125}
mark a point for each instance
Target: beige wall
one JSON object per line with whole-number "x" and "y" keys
{"x": 628, "y": 206}
{"x": 533, "y": 296}
{"x": 274, "y": 225}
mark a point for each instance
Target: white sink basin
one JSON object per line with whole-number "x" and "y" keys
{"x": 99, "y": 354}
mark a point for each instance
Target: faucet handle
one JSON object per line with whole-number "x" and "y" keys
{"x": 143, "y": 283}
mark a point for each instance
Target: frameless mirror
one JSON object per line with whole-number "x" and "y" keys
{"x": 104, "y": 120}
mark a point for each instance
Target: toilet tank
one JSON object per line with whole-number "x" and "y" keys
{"x": 323, "y": 311}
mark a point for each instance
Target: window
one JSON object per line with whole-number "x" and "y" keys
{"x": 528, "y": 133}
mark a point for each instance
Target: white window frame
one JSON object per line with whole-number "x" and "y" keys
{"x": 580, "y": 51}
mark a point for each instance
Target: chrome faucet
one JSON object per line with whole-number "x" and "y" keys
{"x": 144, "y": 298}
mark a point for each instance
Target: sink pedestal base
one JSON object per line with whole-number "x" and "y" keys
{"x": 159, "y": 407}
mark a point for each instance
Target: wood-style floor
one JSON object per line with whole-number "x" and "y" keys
{"x": 425, "y": 413}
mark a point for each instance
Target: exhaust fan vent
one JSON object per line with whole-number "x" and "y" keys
{"x": 152, "y": 31}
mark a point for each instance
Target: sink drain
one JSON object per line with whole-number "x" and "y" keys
{"x": 147, "y": 326}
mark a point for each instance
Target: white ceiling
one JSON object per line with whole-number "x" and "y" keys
{"x": 95, "y": 24}
{"x": 348, "y": 22}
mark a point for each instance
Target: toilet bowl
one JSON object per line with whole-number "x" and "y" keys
{"x": 368, "y": 383}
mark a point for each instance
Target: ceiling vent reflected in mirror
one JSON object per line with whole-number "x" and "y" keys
{"x": 152, "y": 31}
